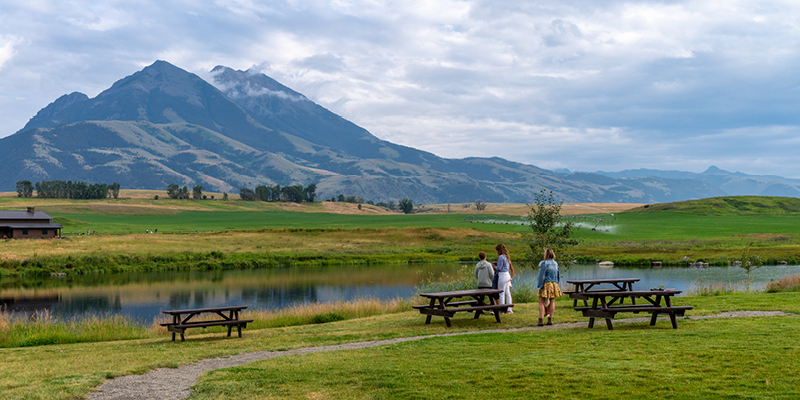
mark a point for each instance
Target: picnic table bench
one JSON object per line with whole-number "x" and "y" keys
{"x": 585, "y": 285}
{"x": 658, "y": 302}
{"x": 441, "y": 304}
{"x": 180, "y": 324}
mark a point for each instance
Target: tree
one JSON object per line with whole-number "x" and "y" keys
{"x": 479, "y": 205}
{"x": 173, "y": 191}
{"x": 224, "y": 196}
{"x": 310, "y": 192}
{"x": 184, "y": 193}
{"x": 293, "y": 193}
{"x": 263, "y": 192}
{"x": 197, "y": 192}
{"x": 548, "y": 230}
{"x": 247, "y": 194}
{"x": 24, "y": 189}
{"x": 406, "y": 205}
{"x": 114, "y": 190}
{"x": 750, "y": 261}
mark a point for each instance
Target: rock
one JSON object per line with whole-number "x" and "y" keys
{"x": 606, "y": 264}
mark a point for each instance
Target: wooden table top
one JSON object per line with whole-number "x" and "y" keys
{"x": 462, "y": 293}
{"x": 607, "y": 280}
{"x": 200, "y": 310}
{"x": 632, "y": 293}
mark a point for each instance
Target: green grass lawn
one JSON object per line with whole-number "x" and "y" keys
{"x": 723, "y": 357}
{"x": 737, "y": 358}
{"x": 237, "y": 220}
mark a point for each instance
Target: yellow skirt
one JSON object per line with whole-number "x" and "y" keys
{"x": 550, "y": 290}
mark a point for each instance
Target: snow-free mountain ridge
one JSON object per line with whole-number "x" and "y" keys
{"x": 164, "y": 125}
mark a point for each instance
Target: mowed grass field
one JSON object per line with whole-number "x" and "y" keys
{"x": 713, "y": 230}
{"x": 708, "y": 358}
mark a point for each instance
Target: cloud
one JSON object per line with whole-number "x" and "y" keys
{"x": 7, "y": 48}
{"x": 581, "y": 85}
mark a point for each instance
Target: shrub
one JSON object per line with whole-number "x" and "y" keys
{"x": 332, "y": 316}
{"x": 785, "y": 284}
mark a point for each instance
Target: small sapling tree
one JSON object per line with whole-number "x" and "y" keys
{"x": 750, "y": 261}
{"x": 480, "y": 205}
{"x": 549, "y": 230}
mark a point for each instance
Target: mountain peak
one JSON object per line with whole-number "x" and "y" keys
{"x": 714, "y": 170}
{"x": 52, "y": 111}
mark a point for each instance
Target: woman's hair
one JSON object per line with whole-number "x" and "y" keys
{"x": 501, "y": 248}
{"x": 549, "y": 254}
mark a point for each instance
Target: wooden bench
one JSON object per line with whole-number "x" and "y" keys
{"x": 180, "y": 325}
{"x": 584, "y": 286}
{"x": 441, "y": 304}
{"x": 450, "y": 304}
{"x": 604, "y": 308}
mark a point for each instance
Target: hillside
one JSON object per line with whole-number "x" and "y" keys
{"x": 163, "y": 125}
{"x": 731, "y": 205}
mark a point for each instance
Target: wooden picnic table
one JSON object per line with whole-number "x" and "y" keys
{"x": 606, "y": 304}
{"x": 441, "y": 304}
{"x": 584, "y": 285}
{"x": 180, "y": 323}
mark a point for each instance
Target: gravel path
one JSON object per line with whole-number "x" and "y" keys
{"x": 176, "y": 383}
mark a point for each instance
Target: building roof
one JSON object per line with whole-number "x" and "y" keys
{"x": 31, "y": 225}
{"x": 15, "y": 214}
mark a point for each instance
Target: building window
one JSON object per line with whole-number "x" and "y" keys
{"x": 24, "y": 231}
{"x": 44, "y": 231}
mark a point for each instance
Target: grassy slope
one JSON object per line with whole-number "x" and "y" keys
{"x": 341, "y": 233}
{"x": 715, "y": 352}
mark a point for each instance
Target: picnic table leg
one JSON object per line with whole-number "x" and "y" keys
{"x": 578, "y": 289}
{"x": 175, "y": 320}
{"x": 480, "y": 303}
{"x": 653, "y": 318}
{"x": 591, "y": 322}
{"x": 446, "y": 319}
{"x": 608, "y": 324}
{"x": 239, "y": 328}
{"x": 230, "y": 327}
{"x": 668, "y": 302}
{"x": 433, "y": 304}
{"x": 182, "y": 338}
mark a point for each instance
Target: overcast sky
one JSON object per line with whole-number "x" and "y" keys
{"x": 584, "y": 85}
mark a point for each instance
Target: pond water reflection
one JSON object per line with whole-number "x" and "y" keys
{"x": 143, "y": 295}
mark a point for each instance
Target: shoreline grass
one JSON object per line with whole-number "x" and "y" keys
{"x": 785, "y": 284}
{"x": 42, "y": 328}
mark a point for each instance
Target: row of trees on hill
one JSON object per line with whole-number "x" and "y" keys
{"x": 176, "y": 192}
{"x": 67, "y": 190}
{"x": 405, "y": 205}
{"x": 295, "y": 193}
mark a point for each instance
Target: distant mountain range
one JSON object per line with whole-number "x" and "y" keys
{"x": 164, "y": 125}
{"x": 731, "y": 183}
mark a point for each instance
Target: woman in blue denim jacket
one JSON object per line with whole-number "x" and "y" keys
{"x": 547, "y": 282}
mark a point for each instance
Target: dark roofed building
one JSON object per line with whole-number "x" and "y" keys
{"x": 29, "y": 224}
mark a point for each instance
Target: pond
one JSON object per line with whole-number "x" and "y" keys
{"x": 143, "y": 295}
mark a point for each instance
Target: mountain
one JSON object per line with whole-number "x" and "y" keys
{"x": 164, "y": 125}
{"x": 729, "y": 183}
